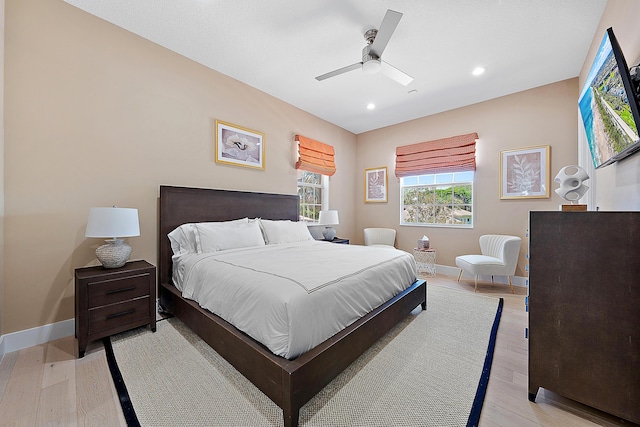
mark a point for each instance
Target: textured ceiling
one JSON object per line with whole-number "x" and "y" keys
{"x": 280, "y": 46}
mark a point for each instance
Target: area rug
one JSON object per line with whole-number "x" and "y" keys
{"x": 432, "y": 369}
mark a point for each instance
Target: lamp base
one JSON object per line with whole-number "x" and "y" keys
{"x": 329, "y": 233}
{"x": 114, "y": 254}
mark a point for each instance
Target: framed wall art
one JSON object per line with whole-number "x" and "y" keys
{"x": 239, "y": 146}
{"x": 524, "y": 173}
{"x": 375, "y": 185}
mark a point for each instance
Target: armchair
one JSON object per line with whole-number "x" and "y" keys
{"x": 499, "y": 258}
{"x": 379, "y": 236}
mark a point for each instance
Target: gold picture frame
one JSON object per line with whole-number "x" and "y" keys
{"x": 375, "y": 185}
{"x": 525, "y": 173}
{"x": 239, "y": 146}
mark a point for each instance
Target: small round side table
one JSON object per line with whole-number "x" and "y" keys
{"x": 425, "y": 261}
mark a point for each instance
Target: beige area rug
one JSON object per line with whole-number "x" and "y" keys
{"x": 427, "y": 371}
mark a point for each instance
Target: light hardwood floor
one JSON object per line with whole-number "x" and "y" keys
{"x": 46, "y": 385}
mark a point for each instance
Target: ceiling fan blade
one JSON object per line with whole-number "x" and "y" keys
{"x": 395, "y": 74}
{"x": 339, "y": 71}
{"x": 388, "y": 26}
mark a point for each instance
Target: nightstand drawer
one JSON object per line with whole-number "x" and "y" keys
{"x": 115, "y": 315}
{"x": 117, "y": 290}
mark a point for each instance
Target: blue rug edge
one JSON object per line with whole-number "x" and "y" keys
{"x": 121, "y": 389}
{"x": 476, "y": 408}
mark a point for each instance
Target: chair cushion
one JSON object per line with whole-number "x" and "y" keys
{"x": 481, "y": 264}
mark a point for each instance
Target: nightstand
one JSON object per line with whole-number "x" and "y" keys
{"x": 113, "y": 300}
{"x": 339, "y": 240}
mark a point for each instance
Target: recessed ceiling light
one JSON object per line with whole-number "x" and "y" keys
{"x": 478, "y": 70}
{"x": 371, "y": 106}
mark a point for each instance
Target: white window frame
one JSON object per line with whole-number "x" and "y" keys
{"x": 324, "y": 186}
{"x": 438, "y": 181}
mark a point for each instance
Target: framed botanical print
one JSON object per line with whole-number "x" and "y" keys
{"x": 239, "y": 146}
{"x": 375, "y": 185}
{"x": 525, "y": 173}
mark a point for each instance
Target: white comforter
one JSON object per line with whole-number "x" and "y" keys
{"x": 292, "y": 297}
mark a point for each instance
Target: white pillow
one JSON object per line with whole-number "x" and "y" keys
{"x": 183, "y": 240}
{"x": 210, "y": 225}
{"x": 228, "y": 236}
{"x": 276, "y": 232}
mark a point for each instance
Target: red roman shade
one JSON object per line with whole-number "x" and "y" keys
{"x": 315, "y": 156}
{"x": 454, "y": 154}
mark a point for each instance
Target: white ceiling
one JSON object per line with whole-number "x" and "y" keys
{"x": 280, "y": 46}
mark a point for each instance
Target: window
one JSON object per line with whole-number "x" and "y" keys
{"x": 443, "y": 199}
{"x": 313, "y": 189}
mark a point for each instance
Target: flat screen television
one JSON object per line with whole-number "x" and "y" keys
{"x": 608, "y": 105}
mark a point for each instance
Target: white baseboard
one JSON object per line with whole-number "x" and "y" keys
{"x": 454, "y": 271}
{"x": 29, "y": 337}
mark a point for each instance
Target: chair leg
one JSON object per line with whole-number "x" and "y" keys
{"x": 475, "y": 288}
{"x": 460, "y": 275}
{"x": 492, "y": 279}
{"x": 511, "y": 285}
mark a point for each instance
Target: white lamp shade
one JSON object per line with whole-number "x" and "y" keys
{"x": 328, "y": 218}
{"x": 112, "y": 222}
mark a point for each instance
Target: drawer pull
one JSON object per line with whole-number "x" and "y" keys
{"x": 124, "y": 313}
{"x": 116, "y": 291}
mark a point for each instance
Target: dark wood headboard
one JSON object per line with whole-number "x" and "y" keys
{"x": 181, "y": 205}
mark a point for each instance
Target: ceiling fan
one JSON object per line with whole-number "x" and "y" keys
{"x": 372, "y": 53}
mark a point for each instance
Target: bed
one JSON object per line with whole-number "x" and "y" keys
{"x": 288, "y": 383}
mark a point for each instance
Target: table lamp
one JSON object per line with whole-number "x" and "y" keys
{"x": 328, "y": 218}
{"x": 111, "y": 223}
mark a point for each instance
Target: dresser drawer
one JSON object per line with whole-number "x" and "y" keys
{"x": 116, "y": 290}
{"x": 115, "y": 315}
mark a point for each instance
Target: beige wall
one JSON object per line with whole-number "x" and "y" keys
{"x": 1, "y": 159}
{"x": 543, "y": 116}
{"x": 617, "y": 186}
{"x": 96, "y": 116}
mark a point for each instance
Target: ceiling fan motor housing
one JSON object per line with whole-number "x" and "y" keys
{"x": 370, "y": 35}
{"x": 370, "y": 63}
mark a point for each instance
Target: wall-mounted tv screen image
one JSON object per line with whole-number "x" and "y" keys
{"x": 608, "y": 106}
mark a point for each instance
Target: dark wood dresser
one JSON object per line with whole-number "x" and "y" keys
{"x": 113, "y": 300}
{"x": 584, "y": 308}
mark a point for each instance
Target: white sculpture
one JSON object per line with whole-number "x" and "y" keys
{"x": 571, "y": 180}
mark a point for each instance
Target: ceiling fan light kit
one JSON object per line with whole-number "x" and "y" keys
{"x": 372, "y": 66}
{"x": 372, "y": 61}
